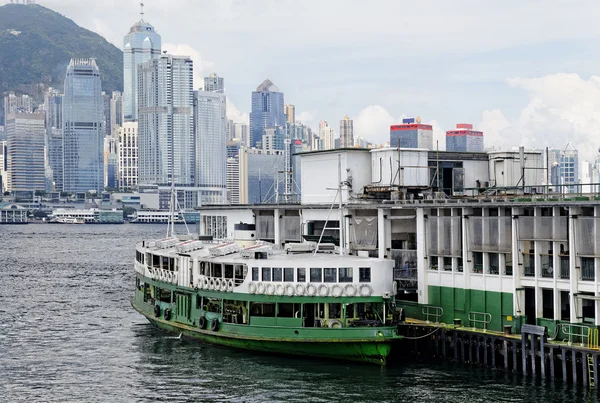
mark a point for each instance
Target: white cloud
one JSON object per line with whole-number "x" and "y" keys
{"x": 308, "y": 118}
{"x": 201, "y": 67}
{"x": 234, "y": 114}
{"x": 373, "y": 123}
{"x": 561, "y": 108}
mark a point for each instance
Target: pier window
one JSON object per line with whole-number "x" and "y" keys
{"x": 330, "y": 275}
{"x": 277, "y": 275}
{"x": 345, "y": 274}
{"x": 477, "y": 262}
{"x": 364, "y": 274}
{"x": 494, "y": 259}
{"x": 565, "y": 306}
{"x": 587, "y": 269}
{"x": 288, "y": 274}
{"x": 266, "y": 274}
{"x": 255, "y": 274}
{"x": 508, "y": 266}
{"x": 548, "y": 303}
{"x": 316, "y": 275}
{"x": 301, "y": 272}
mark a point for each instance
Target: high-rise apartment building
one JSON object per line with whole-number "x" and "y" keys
{"x": 464, "y": 139}
{"x": 233, "y": 180}
{"x": 346, "y": 132}
{"x": 326, "y": 136}
{"x": 111, "y": 162}
{"x": 106, "y": 106}
{"x": 83, "y": 128}
{"x": 210, "y": 121}
{"x": 128, "y": 156}
{"x": 289, "y": 111}
{"x": 563, "y": 165}
{"x": 53, "y": 109}
{"x": 26, "y": 134}
{"x": 214, "y": 83}
{"x": 140, "y": 45}
{"x": 267, "y": 111}
{"x": 411, "y": 134}
{"x": 165, "y": 127}
{"x": 241, "y": 133}
{"x": 16, "y": 103}
{"x": 3, "y": 166}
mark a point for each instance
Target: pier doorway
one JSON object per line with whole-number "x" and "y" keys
{"x": 530, "y": 305}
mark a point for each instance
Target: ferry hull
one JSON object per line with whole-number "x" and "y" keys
{"x": 358, "y": 350}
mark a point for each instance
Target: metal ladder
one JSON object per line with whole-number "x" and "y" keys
{"x": 591, "y": 369}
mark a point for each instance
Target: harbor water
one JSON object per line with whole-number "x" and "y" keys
{"x": 69, "y": 334}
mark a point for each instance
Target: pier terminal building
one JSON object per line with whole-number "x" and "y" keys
{"x": 480, "y": 237}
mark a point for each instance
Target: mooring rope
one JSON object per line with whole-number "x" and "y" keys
{"x": 421, "y": 337}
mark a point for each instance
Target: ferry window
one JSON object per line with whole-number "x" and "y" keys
{"x": 266, "y": 274}
{"x": 164, "y": 295}
{"x": 288, "y": 274}
{"x": 262, "y": 309}
{"x": 345, "y": 274}
{"x": 212, "y": 305}
{"x": 228, "y": 271}
{"x": 155, "y": 261}
{"x": 198, "y": 301}
{"x": 364, "y": 275}
{"x": 316, "y": 275}
{"x": 277, "y": 274}
{"x": 255, "y": 274}
{"x": 301, "y": 274}
{"x": 288, "y": 310}
{"x": 330, "y": 275}
{"x": 165, "y": 262}
{"x": 217, "y": 270}
{"x": 335, "y": 311}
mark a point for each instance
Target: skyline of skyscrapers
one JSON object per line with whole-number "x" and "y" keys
{"x": 140, "y": 45}
{"x": 165, "y": 128}
{"x": 83, "y": 128}
{"x": 267, "y": 111}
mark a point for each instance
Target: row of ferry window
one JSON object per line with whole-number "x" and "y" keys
{"x": 316, "y": 274}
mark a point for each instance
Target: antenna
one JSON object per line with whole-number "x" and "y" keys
{"x": 142, "y": 10}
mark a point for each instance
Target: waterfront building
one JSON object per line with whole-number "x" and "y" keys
{"x": 233, "y": 180}
{"x": 165, "y": 130}
{"x": 53, "y": 109}
{"x": 128, "y": 156}
{"x": 259, "y": 173}
{"x": 111, "y": 162}
{"x": 26, "y": 134}
{"x": 140, "y": 45}
{"x": 12, "y": 214}
{"x": 214, "y": 83}
{"x": 289, "y": 111}
{"x": 464, "y": 139}
{"x": 346, "y": 132}
{"x": 267, "y": 111}
{"x": 83, "y": 128}
{"x": 3, "y": 165}
{"x": 411, "y": 134}
{"x": 211, "y": 151}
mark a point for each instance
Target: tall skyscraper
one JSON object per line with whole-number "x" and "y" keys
{"x": 464, "y": 139}
{"x": 116, "y": 112}
{"x": 326, "y": 135}
{"x": 233, "y": 180}
{"x": 210, "y": 121}
{"x": 140, "y": 45}
{"x": 83, "y": 128}
{"x": 411, "y": 134}
{"x": 259, "y": 174}
{"x": 3, "y": 166}
{"x": 214, "y": 83}
{"x": 267, "y": 111}
{"x": 107, "y": 115}
{"x": 16, "y": 103}
{"x": 128, "y": 156}
{"x": 111, "y": 162}
{"x": 26, "y": 134}
{"x": 289, "y": 111}
{"x": 346, "y": 132}
{"x": 165, "y": 130}
{"x": 53, "y": 108}
{"x": 241, "y": 133}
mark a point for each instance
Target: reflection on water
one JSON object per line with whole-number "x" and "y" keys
{"x": 68, "y": 333}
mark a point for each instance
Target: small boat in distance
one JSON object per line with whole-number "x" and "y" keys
{"x": 69, "y": 220}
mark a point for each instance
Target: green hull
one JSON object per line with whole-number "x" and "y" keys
{"x": 359, "y": 346}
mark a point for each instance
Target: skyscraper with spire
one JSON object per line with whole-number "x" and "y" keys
{"x": 267, "y": 111}
{"x": 140, "y": 45}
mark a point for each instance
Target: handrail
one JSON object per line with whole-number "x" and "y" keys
{"x": 569, "y": 330}
{"x": 486, "y": 319}
{"x": 437, "y": 313}
{"x": 593, "y": 344}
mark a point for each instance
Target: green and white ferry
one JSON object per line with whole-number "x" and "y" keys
{"x": 305, "y": 299}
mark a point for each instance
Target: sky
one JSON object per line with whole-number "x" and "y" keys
{"x": 523, "y": 71}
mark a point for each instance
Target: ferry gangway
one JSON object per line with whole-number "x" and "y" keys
{"x": 432, "y": 311}
{"x": 483, "y": 318}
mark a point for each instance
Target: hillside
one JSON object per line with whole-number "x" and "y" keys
{"x": 36, "y": 45}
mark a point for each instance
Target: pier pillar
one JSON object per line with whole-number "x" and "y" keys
{"x": 505, "y": 354}
{"x": 514, "y": 351}
{"x": 524, "y": 353}
{"x": 542, "y": 358}
{"x": 533, "y": 355}
{"x": 455, "y": 342}
{"x": 552, "y": 358}
{"x": 563, "y": 355}
{"x": 493, "y": 351}
{"x": 574, "y": 366}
